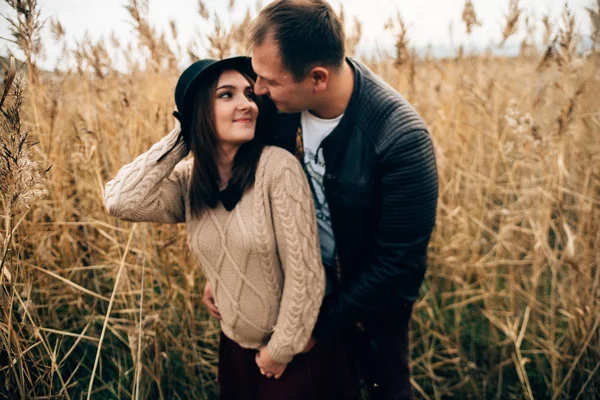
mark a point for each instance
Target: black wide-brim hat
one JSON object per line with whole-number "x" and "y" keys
{"x": 192, "y": 77}
{"x": 195, "y": 74}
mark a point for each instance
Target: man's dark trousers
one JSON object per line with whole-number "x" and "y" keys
{"x": 382, "y": 352}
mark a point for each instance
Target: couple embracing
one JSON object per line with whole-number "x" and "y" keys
{"x": 309, "y": 200}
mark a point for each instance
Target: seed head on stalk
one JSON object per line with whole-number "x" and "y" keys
{"x": 19, "y": 175}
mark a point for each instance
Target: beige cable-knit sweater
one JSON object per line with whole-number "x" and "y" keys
{"x": 262, "y": 258}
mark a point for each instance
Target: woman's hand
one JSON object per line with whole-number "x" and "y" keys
{"x": 268, "y": 367}
{"x": 209, "y": 301}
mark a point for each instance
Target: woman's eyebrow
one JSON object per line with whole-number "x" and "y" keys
{"x": 232, "y": 87}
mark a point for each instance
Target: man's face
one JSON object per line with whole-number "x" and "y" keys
{"x": 279, "y": 84}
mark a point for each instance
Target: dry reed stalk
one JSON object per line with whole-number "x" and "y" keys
{"x": 239, "y": 33}
{"x": 9, "y": 77}
{"x": 399, "y": 29}
{"x": 528, "y": 47}
{"x": 226, "y": 39}
{"x": 219, "y": 40}
{"x": 595, "y": 20}
{"x": 19, "y": 176}
{"x": 94, "y": 56}
{"x": 72, "y": 284}
{"x": 59, "y": 36}
{"x": 550, "y": 56}
{"x": 353, "y": 38}
{"x": 110, "y": 306}
{"x": 57, "y": 30}
{"x": 591, "y": 376}
{"x": 469, "y": 17}
{"x": 138, "y": 364}
{"x": 203, "y": 10}
{"x": 518, "y": 230}
{"x": 566, "y": 115}
{"x": 149, "y": 37}
{"x": 512, "y": 21}
{"x": 548, "y": 30}
{"x": 591, "y": 334}
{"x": 568, "y": 37}
{"x": 26, "y": 30}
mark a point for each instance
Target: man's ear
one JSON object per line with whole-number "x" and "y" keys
{"x": 319, "y": 77}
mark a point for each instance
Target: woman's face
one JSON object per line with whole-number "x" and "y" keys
{"x": 235, "y": 111}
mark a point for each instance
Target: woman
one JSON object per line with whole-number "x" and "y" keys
{"x": 251, "y": 224}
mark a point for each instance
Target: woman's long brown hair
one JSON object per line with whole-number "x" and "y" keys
{"x": 204, "y": 145}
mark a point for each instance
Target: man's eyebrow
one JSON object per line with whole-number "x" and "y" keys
{"x": 266, "y": 79}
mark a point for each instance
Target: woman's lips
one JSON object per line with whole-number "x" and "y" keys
{"x": 243, "y": 120}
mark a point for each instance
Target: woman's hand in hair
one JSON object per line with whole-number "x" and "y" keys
{"x": 268, "y": 367}
{"x": 209, "y": 301}
{"x": 182, "y": 133}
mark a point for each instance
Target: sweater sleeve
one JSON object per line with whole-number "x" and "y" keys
{"x": 149, "y": 191}
{"x": 295, "y": 227}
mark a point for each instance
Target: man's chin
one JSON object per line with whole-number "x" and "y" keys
{"x": 282, "y": 108}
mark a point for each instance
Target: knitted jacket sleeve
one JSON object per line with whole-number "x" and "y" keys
{"x": 149, "y": 191}
{"x": 295, "y": 227}
{"x": 406, "y": 207}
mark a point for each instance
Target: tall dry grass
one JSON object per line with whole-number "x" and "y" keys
{"x": 509, "y": 308}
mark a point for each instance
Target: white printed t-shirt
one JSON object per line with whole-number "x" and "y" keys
{"x": 314, "y": 131}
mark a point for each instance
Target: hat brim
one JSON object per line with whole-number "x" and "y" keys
{"x": 241, "y": 63}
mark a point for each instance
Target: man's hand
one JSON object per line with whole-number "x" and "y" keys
{"x": 311, "y": 343}
{"x": 209, "y": 301}
{"x": 268, "y": 367}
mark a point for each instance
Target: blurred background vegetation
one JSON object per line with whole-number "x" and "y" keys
{"x": 95, "y": 307}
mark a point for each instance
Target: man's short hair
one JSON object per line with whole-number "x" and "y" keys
{"x": 307, "y": 32}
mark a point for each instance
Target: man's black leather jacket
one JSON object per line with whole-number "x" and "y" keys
{"x": 381, "y": 186}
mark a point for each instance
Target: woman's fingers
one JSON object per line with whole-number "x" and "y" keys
{"x": 212, "y": 309}
{"x": 267, "y": 367}
{"x": 209, "y": 301}
{"x": 214, "y": 312}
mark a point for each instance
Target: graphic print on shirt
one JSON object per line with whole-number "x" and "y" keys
{"x": 316, "y": 171}
{"x": 310, "y": 135}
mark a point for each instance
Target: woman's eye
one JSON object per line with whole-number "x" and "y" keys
{"x": 225, "y": 95}
{"x": 251, "y": 96}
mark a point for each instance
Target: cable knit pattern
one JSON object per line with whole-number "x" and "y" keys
{"x": 262, "y": 258}
{"x": 295, "y": 224}
{"x": 261, "y": 230}
{"x": 145, "y": 190}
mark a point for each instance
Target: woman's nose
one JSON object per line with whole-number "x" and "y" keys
{"x": 244, "y": 103}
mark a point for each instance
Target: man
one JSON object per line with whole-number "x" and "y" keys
{"x": 370, "y": 161}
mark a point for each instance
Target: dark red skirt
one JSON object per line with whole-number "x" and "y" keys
{"x": 326, "y": 372}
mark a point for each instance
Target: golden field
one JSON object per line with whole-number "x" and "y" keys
{"x": 511, "y": 303}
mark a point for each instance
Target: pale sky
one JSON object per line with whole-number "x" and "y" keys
{"x": 428, "y": 20}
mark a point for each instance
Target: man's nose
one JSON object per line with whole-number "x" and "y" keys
{"x": 260, "y": 88}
